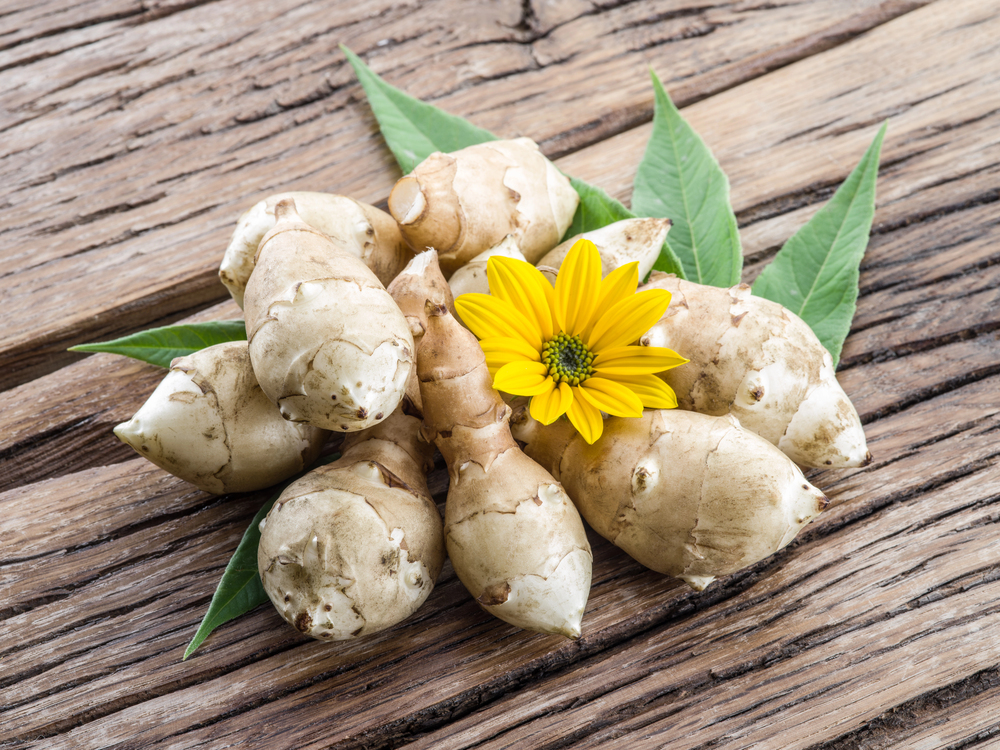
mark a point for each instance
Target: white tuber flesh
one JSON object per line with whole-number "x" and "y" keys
{"x": 760, "y": 362}
{"x": 514, "y": 537}
{"x": 626, "y": 241}
{"x": 466, "y": 202}
{"x": 354, "y": 547}
{"x": 209, "y": 423}
{"x": 329, "y": 345}
{"x": 471, "y": 278}
{"x": 685, "y": 494}
{"x": 364, "y": 231}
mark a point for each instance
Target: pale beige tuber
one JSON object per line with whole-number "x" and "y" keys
{"x": 471, "y": 278}
{"x": 329, "y": 345}
{"x": 362, "y": 230}
{"x": 466, "y": 202}
{"x": 627, "y": 241}
{"x": 685, "y": 494}
{"x": 354, "y": 547}
{"x": 514, "y": 538}
{"x": 209, "y": 423}
{"x": 760, "y": 362}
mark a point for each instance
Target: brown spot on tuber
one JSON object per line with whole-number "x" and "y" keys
{"x": 390, "y": 479}
{"x": 361, "y": 413}
{"x": 303, "y": 622}
{"x": 494, "y": 594}
{"x": 737, "y": 318}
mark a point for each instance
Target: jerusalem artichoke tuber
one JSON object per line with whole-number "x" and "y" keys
{"x": 362, "y": 230}
{"x": 329, "y": 345}
{"x": 685, "y": 494}
{"x": 514, "y": 537}
{"x": 626, "y": 241}
{"x": 753, "y": 358}
{"x": 466, "y": 202}
{"x": 209, "y": 423}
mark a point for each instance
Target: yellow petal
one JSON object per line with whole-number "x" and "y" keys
{"x": 501, "y": 350}
{"x": 636, "y": 360}
{"x": 548, "y": 407}
{"x": 491, "y": 317}
{"x": 523, "y": 379}
{"x": 577, "y": 287}
{"x": 629, "y": 319}
{"x": 651, "y": 390}
{"x": 524, "y": 287}
{"x": 611, "y": 397}
{"x": 618, "y": 285}
{"x": 586, "y": 418}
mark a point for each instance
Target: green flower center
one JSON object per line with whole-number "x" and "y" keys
{"x": 568, "y": 359}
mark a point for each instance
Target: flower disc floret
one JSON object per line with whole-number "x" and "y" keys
{"x": 572, "y": 349}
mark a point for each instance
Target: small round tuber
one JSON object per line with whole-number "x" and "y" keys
{"x": 209, "y": 423}
{"x": 364, "y": 231}
{"x": 466, "y": 202}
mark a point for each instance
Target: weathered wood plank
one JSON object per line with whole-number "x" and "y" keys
{"x": 199, "y": 109}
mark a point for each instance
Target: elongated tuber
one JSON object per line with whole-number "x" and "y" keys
{"x": 466, "y": 202}
{"x": 354, "y": 547}
{"x": 515, "y": 539}
{"x": 209, "y": 423}
{"x": 685, "y": 494}
{"x": 329, "y": 345}
{"x": 626, "y": 241}
{"x": 362, "y": 230}
{"x": 753, "y": 358}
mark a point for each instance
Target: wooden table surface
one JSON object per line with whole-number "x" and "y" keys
{"x": 134, "y": 132}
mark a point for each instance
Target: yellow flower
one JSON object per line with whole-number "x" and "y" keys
{"x": 572, "y": 348}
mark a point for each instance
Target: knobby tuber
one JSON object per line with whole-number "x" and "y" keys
{"x": 364, "y": 231}
{"x": 466, "y": 202}
{"x": 209, "y": 423}
{"x": 686, "y": 494}
{"x": 760, "y": 362}
{"x": 514, "y": 537}
{"x": 329, "y": 345}
{"x": 354, "y": 547}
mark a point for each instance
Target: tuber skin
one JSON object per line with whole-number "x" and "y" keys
{"x": 626, "y": 241}
{"x": 364, "y": 231}
{"x": 209, "y": 423}
{"x": 466, "y": 202}
{"x": 686, "y": 494}
{"x": 515, "y": 539}
{"x": 329, "y": 345}
{"x": 471, "y": 278}
{"x": 355, "y": 547}
{"x": 760, "y": 362}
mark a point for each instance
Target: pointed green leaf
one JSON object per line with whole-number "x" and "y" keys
{"x": 159, "y": 346}
{"x": 815, "y": 274}
{"x": 413, "y": 129}
{"x": 679, "y": 179}
{"x": 240, "y": 589}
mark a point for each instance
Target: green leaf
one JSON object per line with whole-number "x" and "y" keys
{"x": 240, "y": 589}
{"x": 598, "y": 209}
{"x": 679, "y": 179}
{"x": 413, "y": 129}
{"x": 159, "y": 346}
{"x": 815, "y": 274}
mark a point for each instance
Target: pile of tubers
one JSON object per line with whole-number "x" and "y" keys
{"x": 351, "y": 328}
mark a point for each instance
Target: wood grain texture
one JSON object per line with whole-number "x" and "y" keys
{"x": 137, "y": 133}
{"x": 876, "y": 628}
